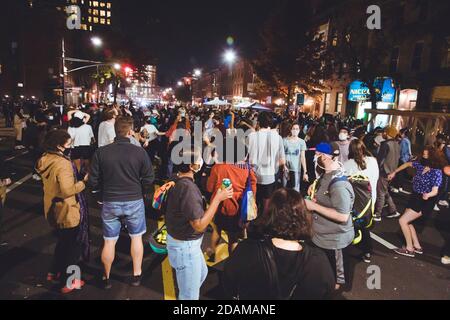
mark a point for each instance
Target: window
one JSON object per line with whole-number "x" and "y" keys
{"x": 394, "y": 60}
{"x": 102, "y": 21}
{"x": 95, "y": 12}
{"x": 417, "y": 57}
{"x": 95, "y": 3}
{"x": 90, "y": 19}
{"x": 102, "y": 13}
{"x": 102, "y": 4}
{"x": 327, "y": 101}
{"x": 339, "y": 101}
{"x": 108, "y": 5}
{"x": 95, "y": 20}
{"x": 108, "y": 21}
{"x": 108, "y": 14}
{"x": 334, "y": 38}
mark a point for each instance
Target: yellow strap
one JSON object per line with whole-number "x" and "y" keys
{"x": 364, "y": 210}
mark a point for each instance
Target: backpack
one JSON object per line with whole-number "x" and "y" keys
{"x": 363, "y": 206}
{"x": 159, "y": 201}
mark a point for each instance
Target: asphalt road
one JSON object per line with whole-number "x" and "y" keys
{"x": 24, "y": 262}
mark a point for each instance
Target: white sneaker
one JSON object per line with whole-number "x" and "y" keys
{"x": 393, "y": 215}
{"x": 445, "y": 260}
{"x": 36, "y": 177}
{"x": 444, "y": 203}
{"x": 436, "y": 208}
{"x": 394, "y": 190}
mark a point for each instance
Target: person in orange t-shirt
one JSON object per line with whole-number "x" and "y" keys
{"x": 227, "y": 218}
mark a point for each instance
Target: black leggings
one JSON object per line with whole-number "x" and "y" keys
{"x": 342, "y": 266}
{"x": 67, "y": 252}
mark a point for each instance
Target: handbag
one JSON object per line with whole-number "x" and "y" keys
{"x": 249, "y": 210}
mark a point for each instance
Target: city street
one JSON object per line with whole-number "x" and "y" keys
{"x": 25, "y": 260}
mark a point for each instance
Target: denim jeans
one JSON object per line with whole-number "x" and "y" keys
{"x": 133, "y": 214}
{"x": 186, "y": 257}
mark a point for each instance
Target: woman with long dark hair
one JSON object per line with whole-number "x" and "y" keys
{"x": 360, "y": 161}
{"x": 426, "y": 185}
{"x": 281, "y": 266}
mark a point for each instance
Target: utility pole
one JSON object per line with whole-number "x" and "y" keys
{"x": 63, "y": 73}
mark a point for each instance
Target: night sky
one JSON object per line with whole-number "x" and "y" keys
{"x": 183, "y": 35}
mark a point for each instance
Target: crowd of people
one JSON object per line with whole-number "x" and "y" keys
{"x": 319, "y": 184}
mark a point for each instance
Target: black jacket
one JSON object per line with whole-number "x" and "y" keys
{"x": 122, "y": 171}
{"x": 249, "y": 273}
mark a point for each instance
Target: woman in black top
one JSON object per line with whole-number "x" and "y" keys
{"x": 280, "y": 266}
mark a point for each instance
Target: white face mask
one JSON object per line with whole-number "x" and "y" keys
{"x": 200, "y": 165}
{"x": 343, "y": 136}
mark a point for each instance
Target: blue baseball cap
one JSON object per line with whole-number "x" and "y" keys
{"x": 327, "y": 148}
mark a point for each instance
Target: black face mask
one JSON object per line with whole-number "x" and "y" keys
{"x": 425, "y": 162}
{"x": 67, "y": 152}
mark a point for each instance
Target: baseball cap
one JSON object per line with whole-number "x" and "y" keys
{"x": 328, "y": 148}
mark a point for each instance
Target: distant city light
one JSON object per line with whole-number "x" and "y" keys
{"x": 179, "y": 83}
{"x": 6, "y": 96}
{"x": 197, "y": 72}
{"x": 21, "y": 97}
{"x": 20, "y": 85}
{"x": 96, "y": 41}
{"x": 117, "y": 66}
{"x": 33, "y": 97}
{"x": 229, "y": 56}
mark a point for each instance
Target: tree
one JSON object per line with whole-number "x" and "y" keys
{"x": 356, "y": 50}
{"x": 291, "y": 55}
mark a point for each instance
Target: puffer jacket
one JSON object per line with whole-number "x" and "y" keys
{"x": 61, "y": 208}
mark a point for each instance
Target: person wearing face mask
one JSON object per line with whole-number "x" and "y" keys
{"x": 343, "y": 144}
{"x": 186, "y": 221}
{"x": 331, "y": 202}
{"x": 123, "y": 173}
{"x": 149, "y": 135}
{"x": 426, "y": 185}
{"x": 294, "y": 150}
{"x": 61, "y": 207}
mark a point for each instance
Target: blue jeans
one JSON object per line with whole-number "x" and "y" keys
{"x": 133, "y": 212}
{"x": 186, "y": 257}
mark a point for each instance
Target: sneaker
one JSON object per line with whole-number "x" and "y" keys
{"x": 445, "y": 260}
{"x": 377, "y": 218}
{"x": 76, "y": 285}
{"x": 367, "y": 258}
{"x": 393, "y": 215}
{"x": 36, "y": 177}
{"x": 444, "y": 203}
{"x": 405, "y": 252}
{"x": 436, "y": 208}
{"x": 404, "y": 191}
{"x": 418, "y": 250}
{"x": 394, "y": 190}
{"x": 106, "y": 283}
{"x": 136, "y": 281}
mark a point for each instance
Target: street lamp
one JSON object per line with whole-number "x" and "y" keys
{"x": 229, "y": 56}
{"x": 96, "y": 41}
{"x": 197, "y": 72}
{"x": 117, "y": 66}
{"x": 179, "y": 83}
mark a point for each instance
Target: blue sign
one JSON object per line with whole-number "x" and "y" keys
{"x": 384, "y": 90}
{"x": 358, "y": 91}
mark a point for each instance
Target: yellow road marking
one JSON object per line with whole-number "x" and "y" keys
{"x": 167, "y": 275}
